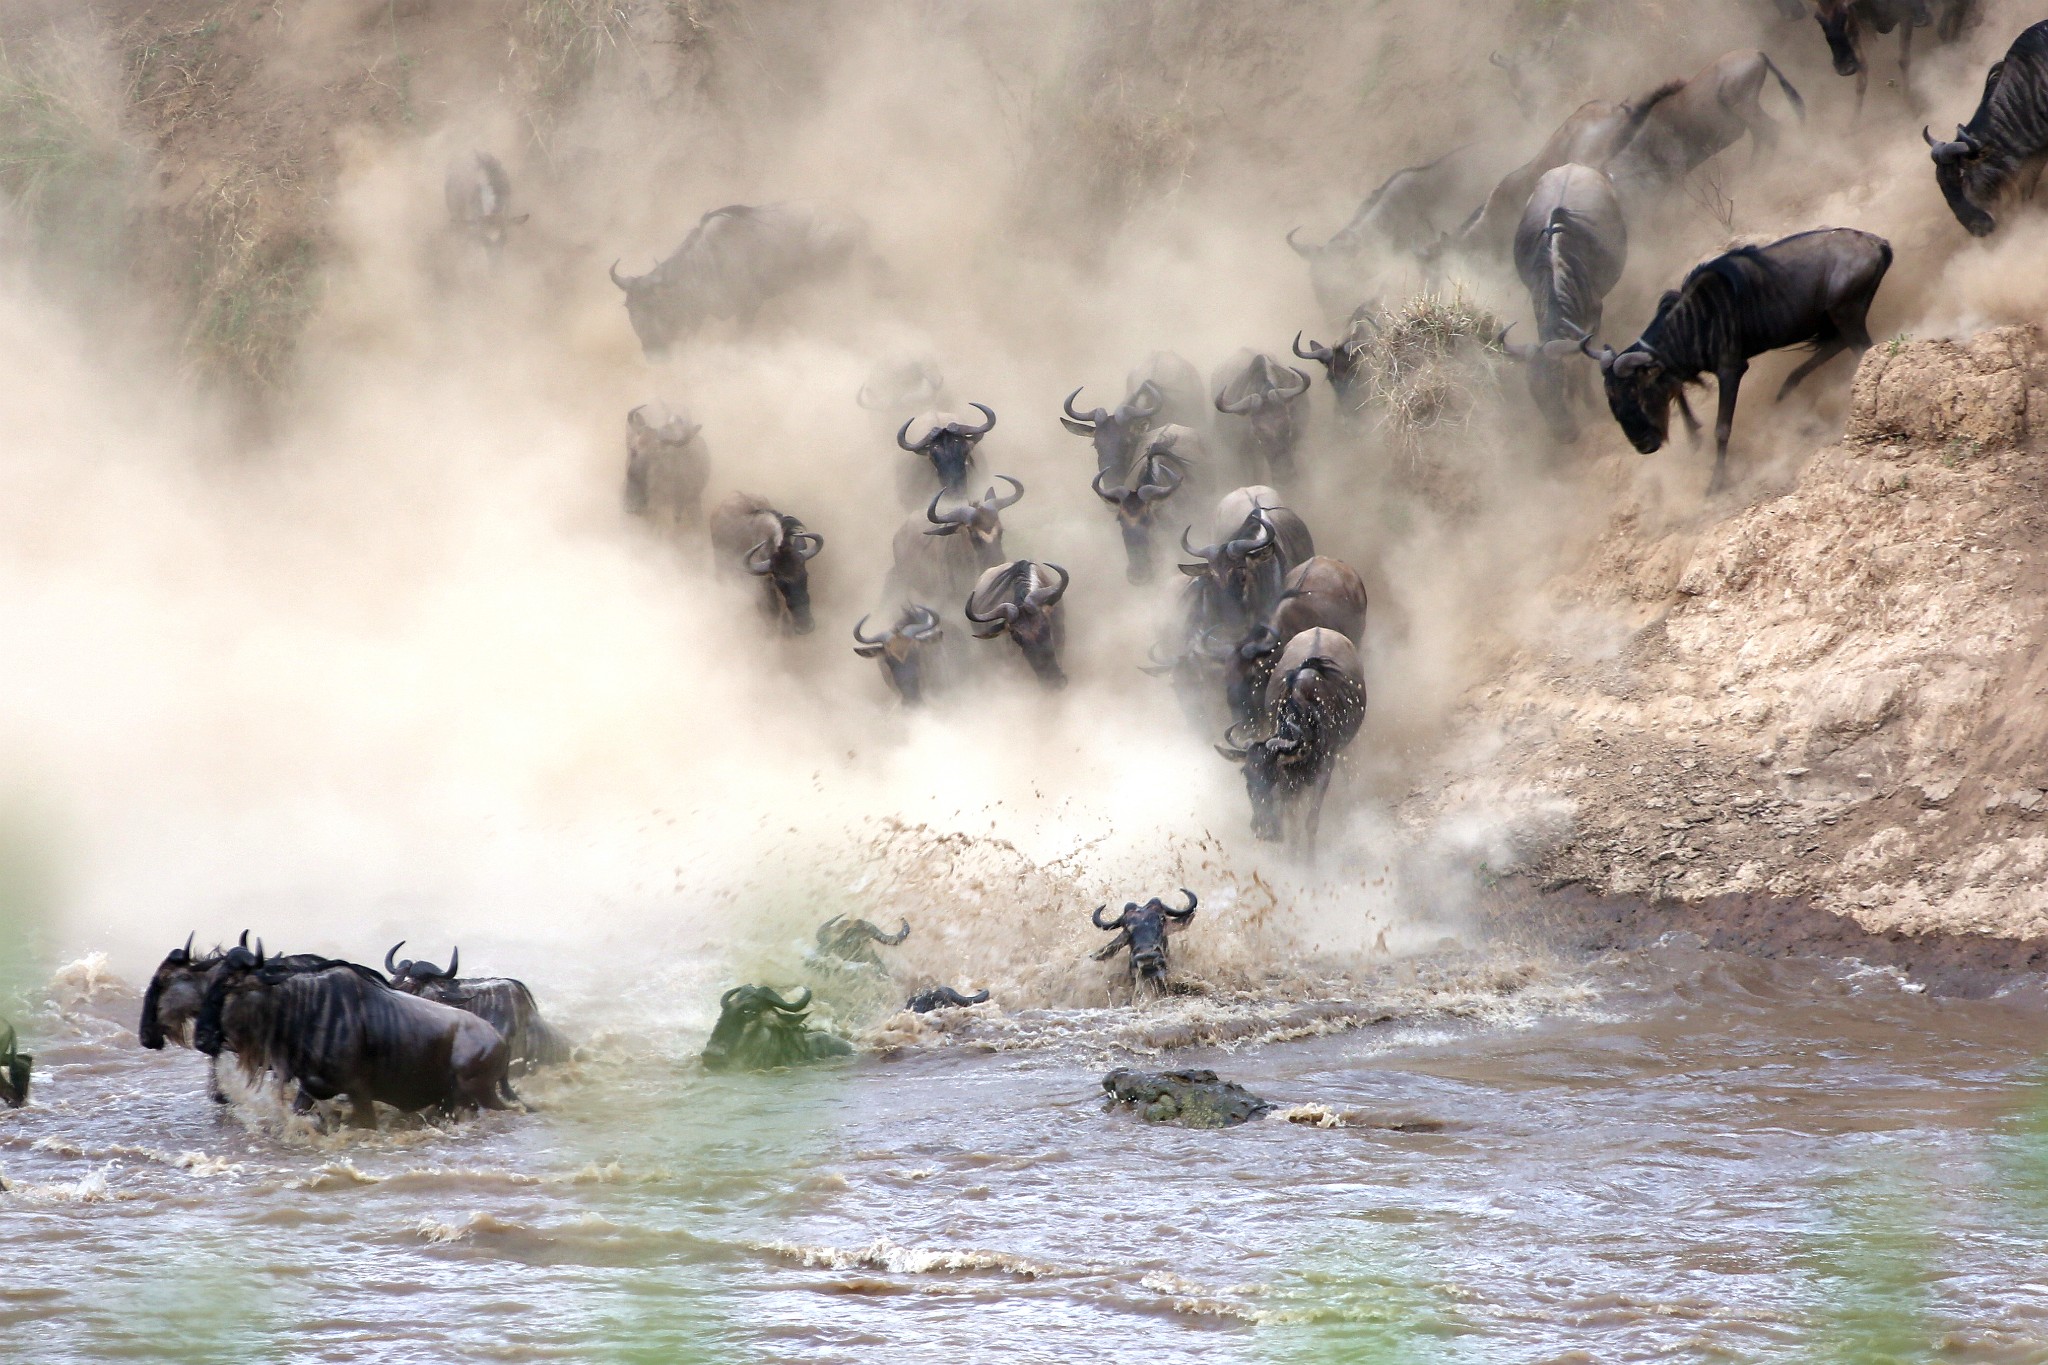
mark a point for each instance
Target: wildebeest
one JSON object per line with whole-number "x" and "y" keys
{"x": 1569, "y": 251}
{"x": 1845, "y": 24}
{"x": 1707, "y": 113}
{"x": 479, "y": 196}
{"x": 16, "y": 1068}
{"x": 1265, "y": 396}
{"x": 758, "y": 1030}
{"x": 1116, "y": 434}
{"x": 667, "y": 466}
{"x": 505, "y": 1004}
{"x": 1810, "y": 288}
{"x": 902, "y": 650}
{"x": 1320, "y": 593}
{"x": 1143, "y": 929}
{"x": 735, "y": 260}
{"x": 339, "y": 1032}
{"x": 1317, "y": 702}
{"x": 1021, "y": 599}
{"x": 948, "y": 443}
{"x": 1242, "y": 572}
{"x": 2004, "y": 146}
{"x": 1343, "y": 363}
{"x": 1179, "y": 384}
{"x": 1411, "y": 209}
{"x": 902, "y": 385}
{"x": 853, "y": 941}
{"x": 1595, "y": 133}
{"x": 748, "y": 533}
{"x": 941, "y": 555}
{"x": 943, "y": 998}
{"x": 1140, "y": 494}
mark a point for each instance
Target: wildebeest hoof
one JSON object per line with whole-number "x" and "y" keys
{"x": 1192, "y": 1099}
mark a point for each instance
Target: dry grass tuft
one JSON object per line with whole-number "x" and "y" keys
{"x": 65, "y": 167}
{"x": 1428, "y": 365}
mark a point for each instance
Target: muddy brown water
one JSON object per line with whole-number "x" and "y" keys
{"x": 1662, "y": 1152}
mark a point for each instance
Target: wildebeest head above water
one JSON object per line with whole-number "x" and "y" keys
{"x": 1143, "y": 929}
{"x": 948, "y": 445}
{"x": 17, "y": 1066}
{"x": 854, "y": 940}
{"x": 507, "y": 1005}
{"x": 943, "y": 997}
{"x": 758, "y": 1030}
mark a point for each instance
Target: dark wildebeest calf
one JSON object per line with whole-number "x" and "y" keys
{"x": 1811, "y": 288}
{"x": 2004, "y": 146}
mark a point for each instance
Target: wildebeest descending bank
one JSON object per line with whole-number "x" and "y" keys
{"x": 747, "y": 532}
{"x": 1569, "y": 251}
{"x": 507, "y": 1005}
{"x": 903, "y": 650}
{"x": 1021, "y": 599}
{"x": 2004, "y": 146}
{"x": 1317, "y": 700}
{"x": 667, "y": 466}
{"x": 735, "y": 260}
{"x": 338, "y": 1032}
{"x": 1702, "y": 116}
{"x": 1813, "y": 288}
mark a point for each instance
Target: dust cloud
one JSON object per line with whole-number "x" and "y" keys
{"x": 396, "y": 665}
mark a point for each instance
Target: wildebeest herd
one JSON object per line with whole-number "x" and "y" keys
{"x": 1269, "y": 644}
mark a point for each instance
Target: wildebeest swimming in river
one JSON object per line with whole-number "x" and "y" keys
{"x": 758, "y": 1030}
{"x": 1812, "y": 288}
{"x": 505, "y": 1004}
{"x": 338, "y": 1032}
{"x": 853, "y": 940}
{"x": 735, "y": 260}
{"x": 942, "y": 998}
{"x": 747, "y": 532}
{"x": 1142, "y": 929}
{"x": 17, "y": 1066}
{"x": 2004, "y": 146}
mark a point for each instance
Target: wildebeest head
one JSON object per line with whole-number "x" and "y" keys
{"x": 1143, "y": 930}
{"x": 1843, "y": 28}
{"x": 653, "y": 309}
{"x": 1272, "y": 766}
{"x": 1640, "y": 389}
{"x": 1239, "y": 570}
{"x": 784, "y": 560}
{"x": 479, "y": 197}
{"x": 1550, "y": 365}
{"x": 174, "y": 993}
{"x": 238, "y": 970}
{"x": 854, "y": 940}
{"x": 1954, "y": 163}
{"x": 409, "y": 974}
{"x": 981, "y": 522}
{"x": 1154, "y": 479}
{"x": 1115, "y": 434}
{"x": 1342, "y": 362}
{"x": 16, "y": 1067}
{"x": 1017, "y": 599}
{"x": 1272, "y": 414}
{"x": 1247, "y": 666}
{"x": 949, "y": 446}
{"x": 758, "y": 1029}
{"x": 901, "y": 649}
{"x": 942, "y": 997}
{"x": 645, "y": 438}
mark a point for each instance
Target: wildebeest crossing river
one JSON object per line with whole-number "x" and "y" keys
{"x": 1669, "y": 1153}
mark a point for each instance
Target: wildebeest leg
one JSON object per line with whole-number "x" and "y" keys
{"x": 1313, "y": 819}
{"x": 1763, "y": 132}
{"x": 1692, "y": 423}
{"x": 1729, "y": 380}
{"x": 220, "y": 1096}
{"x": 362, "y": 1111}
{"x": 1822, "y": 354}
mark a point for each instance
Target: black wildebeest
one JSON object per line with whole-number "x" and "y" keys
{"x": 339, "y": 1032}
{"x": 479, "y": 196}
{"x": 1317, "y": 701}
{"x": 1265, "y": 398}
{"x": 758, "y": 1030}
{"x": 2004, "y": 146}
{"x": 1569, "y": 251}
{"x": 948, "y": 444}
{"x": 1810, "y": 288}
{"x": 1707, "y": 113}
{"x": 903, "y": 650}
{"x": 1846, "y": 23}
{"x": 1139, "y": 496}
{"x": 505, "y": 1004}
{"x": 1143, "y": 929}
{"x": 735, "y": 260}
{"x": 748, "y": 533}
{"x": 1343, "y": 363}
{"x": 943, "y": 998}
{"x": 1595, "y": 133}
{"x": 1320, "y": 593}
{"x": 1022, "y": 599}
{"x": 1243, "y": 572}
{"x": 16, "y": 1068}
{"x": 1411, "y": 209}
{"x": 942, "y": 554}
{"x": 853, "y": 941}
{"x": 1116, "y": 434}
{"x": 667, "y": 466}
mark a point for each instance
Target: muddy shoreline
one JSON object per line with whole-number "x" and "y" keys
{"x": 1574, "y": 918}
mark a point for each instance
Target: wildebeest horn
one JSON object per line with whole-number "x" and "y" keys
{"x": 1157, "y": 400}
{"x": 187, "y": 950}
{"x": 454, "y": 962}
{"x": 626, "y": 283}
{"x": 259, "y": 952}
{"x": 1203, "y": 555}
{"x": 1085, "y": 418}
{"x": 825, "y": 929}
{"x": 725, "y": 1001}
{"x": 1605, "y": 355}
{"x": 1192, "y": 903}
{"x": 1040, "y": 598}
{"x": 1307, "y": 253}
{"x": 1927, "y": 135}
{"x": 1235, "y": 755}
{"x": 891, "y": 939}
{"x": 925, "y": 623}
{"x": 390, "y": 965}
{"x": 862, "y": 398}
{"x": 788, "y": 1006}
{"x": 1113, "y": 496}
{"x": 1510, "y": 348}
{"x": 1116, "y": 923}
{"x": 767, "y": 563}
{"x": 1000, "y": 503}
{"x": 1153, "y": 492}
{"x": 1628, "y": 362}
{"x": 1239, "y": 407}
{"x": 1316, "y": 350}
{"x": 1503, "y": 63}
{"x": 243, "y": 941}
{"x": 985, "y": 428}
{"x": 805, "y": 542}
{"x": 1258, "y": 540}
{"x": 1299, "y": 389}
{"x": 947, "y": 525}
{"x": 881, "y": 640}
{"x": 904, "y": 430}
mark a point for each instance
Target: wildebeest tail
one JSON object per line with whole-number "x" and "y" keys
{"x": 1791, "y": 92}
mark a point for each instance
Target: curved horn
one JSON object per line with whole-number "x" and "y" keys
{"x": 1511, "y": 349}
{"x": 454, "y": 962}
{"x": 1153, "y": 492}
{"x": 1150, "y": 390}
{"x": 614, "y": 273}
{"x": 1927, "y": 136}
{"x": 725, "y": 1001}
{"x": 807, "y": 544}
{"x": 1299, "y": 389}
{"x": 391, "y": 966}
{"x": 879, "y": 640}
{"x": 825, "y": 929}
{"x": 1503, "y": 63}
{"x": 904, "y": 430}
{"x": 788, "y": 1006}
{"x": 1192, "y": 903}
{"x": 1086, "y": 419}
{"x": 1307, "y": 253}
{"x": 986, "y": 427}
{"x": 931, "y": 514}
{"x": 767, "y": 565}
{"x": 1114, "y": 497}
{"x": 1042, "y": 599}
{"x": 1259, "y": 539}
{"x": 890, "y": 939}
{"x": 1017, "y": 491}
{"x": 243, "y": 941}
{"x": 188, "y": 944}
{"x": 1203, "y": 555}
{"x": 259, "y": 952}
{"x": 1116, "y": 923}
{"x": 1316, "y": 350}
{"x": 1605, "y": 355}
{"x": 925, "y": 623}
{"x": 1238, "y": 407}
{"x": 980, "y": 997}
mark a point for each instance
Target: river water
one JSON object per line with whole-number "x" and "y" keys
{"x": 1668, "y": 1153}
